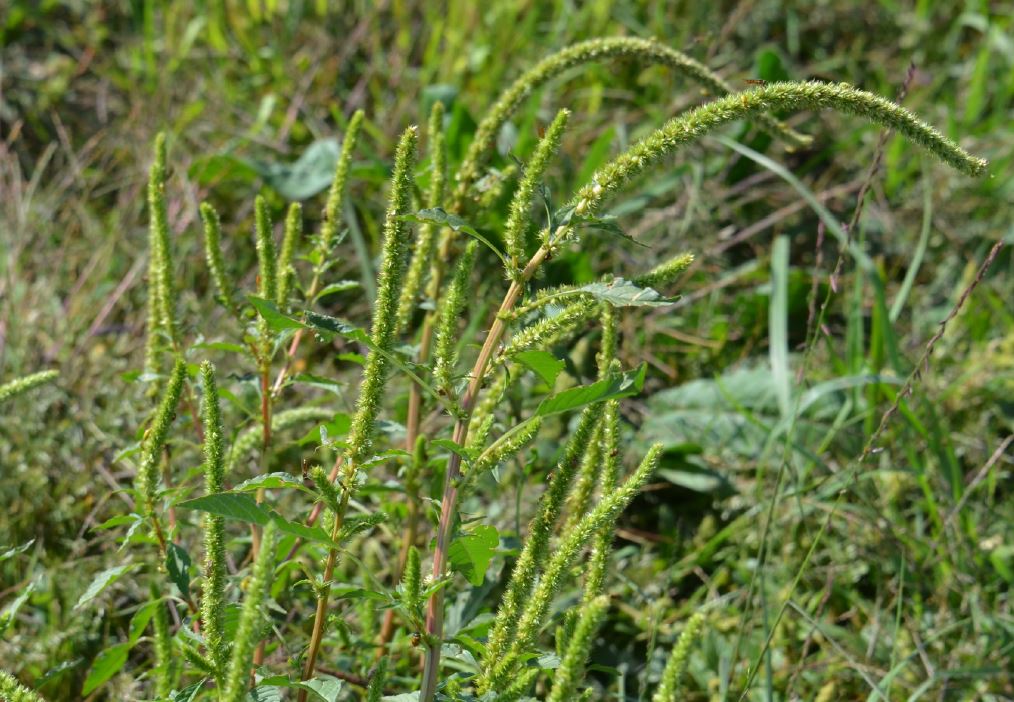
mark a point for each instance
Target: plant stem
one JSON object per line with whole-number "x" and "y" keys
{"x": 320, "y": 617}
{"x": 435, "y": 606}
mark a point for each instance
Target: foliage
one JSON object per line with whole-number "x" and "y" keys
{"x": 418, "y": 416}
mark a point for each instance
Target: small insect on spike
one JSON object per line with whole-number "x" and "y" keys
{"x": 293, "y": 232}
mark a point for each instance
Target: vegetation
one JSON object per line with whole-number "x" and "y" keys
{"x": 456, "y": 437}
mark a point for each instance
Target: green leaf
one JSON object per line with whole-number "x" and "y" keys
{"x": 230, "y": 505}
{"x": 265, "y": 693}
{"x": 139, "y": 622}
{"x": 340, "y": 286}
{"x": 277, "y": 322}
{"x": 453, "y": 447}
{"x": 542, "y": 363}
{"x": 325, "y": 687}
{"x": 102, "y": 581}
{"x": 11, "y": 610}
{"x": 15, "y": 550}
{"x": 177, "y": 563}
{"x": 438, "y": 216}
{"x": 272, "y": 481}
{"x": 470, "y": 554}
{"x": 189, "y": 693}
{"x": 619, "y": 292}
{"x": 108, "y": 663}
{"x": 311, "y": 173}
{"x": 242, "y": 507}
{"x": 613, "y": 387}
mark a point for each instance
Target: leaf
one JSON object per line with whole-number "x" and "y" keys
{"x": 189, "y": 693}
{"x": 139, "y": 622}
{"x": 340, "y": 286}
{"x": 11, "y": 610}
{"x": 437, "y": 215}
{"x": 326, "y": 687}
{"x": 272, "y": 481}
{"x": 542, "y": 363}
{"x": 470, "y": 554}
{"x": 230, "y": 505}
{"x": 613, "y": 387}
{"x": 277, "y": 322}
{"x": 108, "y": 663}
{"x": 265, "y": 693}
{"x": 118, "y": 520}
{"x": 619, "y": 292}
{"x": 177, "y": 563}
{"x": 221, "y": 167}
{"x": 102, "y": 581}
{"x": 455, "y": 448}
{"x": 15, "y": 550}
{"x": 311, "y": 173}
{"x": 242, "y": 507}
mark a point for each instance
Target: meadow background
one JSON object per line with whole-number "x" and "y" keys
{"x": 823, "y": 578}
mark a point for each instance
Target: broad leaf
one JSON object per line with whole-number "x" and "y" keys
{"x": 242, "y": 507}
{"x": 325, "y": 687}
{"x": 272, "y": 481}
{"x": 177, "y": 563}
{"x": 470, "y": 554}
{"x": 437, "y": 215}
{"x": 619, "y": 292}
{"x": 268, "y": 310}
{"x": 102, "y": 581}
{"x": 311, "y": 173}
{"x": 613, "y": 387}
{"x": 542, "y": 363}
{"x": 108, "y": 663}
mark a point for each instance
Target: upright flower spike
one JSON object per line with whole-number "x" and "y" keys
{"x": 375, "y": 690}
{"x": 425, "y": 243}
{"x": 147, "y": 472}
{"x": 252, "y": 437}
{"x": 572, "y": 664}
{"x": 645, "y": 50}
{"x": 536, "y": 546}
{"x": 665, "y": 273}
{"x": 411, "y": 582}
{"x": 336, "y": 193}
{"x": 694, "y": 124}
{"x": 267, "y": 257}
{"x": 215, "y": 573}
{"x": 238, "y": 676}
{"x": 161, "y": 289}
{"x": 164, "y": 659}
{"x": 521, "y": 206}
{"x": 668, "y": 688}
{"x": 21, "y": 385}
{"x": 452, "y": 304}
{"x": 392, "y": 271}
{"x": 293, "y": 232}
{"x": 498, "y": 670}
{"x": 213, "y": 255}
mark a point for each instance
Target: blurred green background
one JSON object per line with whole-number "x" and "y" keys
{"x": 908, "y": 589}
